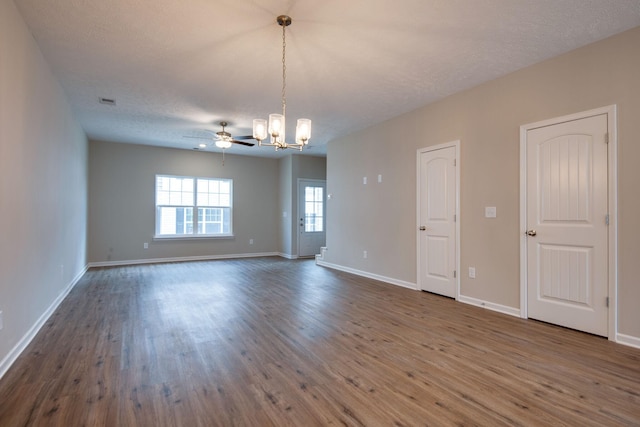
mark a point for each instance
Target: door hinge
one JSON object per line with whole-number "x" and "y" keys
{"x": 606, "y": 219}
{"x": 454, "y": 274}
{"x": 455, "y": 217}
{"x": 606, "y": 138}
{"x": 455, "y": 162}
{"x": 606, "y": 301}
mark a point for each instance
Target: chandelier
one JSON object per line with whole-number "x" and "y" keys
{"x": 276, "y": 126}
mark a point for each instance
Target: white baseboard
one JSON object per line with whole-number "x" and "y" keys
{"x": 181, "y": 259}
{"x": 320, "y": 256}
{"x": 292, "y": 256}
{"x": 512, "y": 311}
{"x": 623, "y": 339}
{"x": 629, "y": 340}
{"x": 390, "y": 280}
{"x": 17, "y": 350}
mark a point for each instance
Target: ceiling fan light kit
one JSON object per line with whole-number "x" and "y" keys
{"x": 221, "y": 143}
{"x": 275, "y": 128}
{"x": 224, "y": 138}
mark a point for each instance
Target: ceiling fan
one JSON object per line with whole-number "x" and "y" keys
{"x": 223, "y": 139}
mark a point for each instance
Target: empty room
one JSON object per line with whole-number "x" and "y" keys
{"x": 302, "y": 213}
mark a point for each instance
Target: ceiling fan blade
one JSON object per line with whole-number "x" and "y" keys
{"x": 197, "y": 137}
{"x": 248, "y": 144}
{"x": 244, "y": 137}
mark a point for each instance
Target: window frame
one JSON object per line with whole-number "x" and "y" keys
{"x": 194, "y": 235}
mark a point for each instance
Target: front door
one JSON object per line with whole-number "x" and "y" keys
{"x": 566, "y": 215}
{"x": 311, "y": 216}
{"x": 437, "y": 209}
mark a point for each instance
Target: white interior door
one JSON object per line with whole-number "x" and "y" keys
{"x": 567, "y": 236}
{"x": 311, "y": 217}
{"x": 437, "y": 209}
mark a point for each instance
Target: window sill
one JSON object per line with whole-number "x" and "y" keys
{"x": 194, "y": 237}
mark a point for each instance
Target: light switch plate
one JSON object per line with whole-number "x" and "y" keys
{"x": 490, "y": 212}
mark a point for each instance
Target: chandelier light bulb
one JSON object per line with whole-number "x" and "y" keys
{"x": 260, "y": 129}
{"x": 303, "y": 131}
{"x": 276, "y": 126}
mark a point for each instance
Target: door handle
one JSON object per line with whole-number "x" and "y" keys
{"x": 423, "y": 228}
{"x": 531, "y": 232}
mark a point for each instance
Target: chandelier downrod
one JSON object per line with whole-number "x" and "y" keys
{"x": 284, "y": 21}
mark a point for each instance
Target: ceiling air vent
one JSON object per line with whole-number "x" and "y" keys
{"x": 107, "y": 101}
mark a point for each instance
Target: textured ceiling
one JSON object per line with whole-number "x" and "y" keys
{"x": 176, "y": 68}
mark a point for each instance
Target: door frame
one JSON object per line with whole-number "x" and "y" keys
{"x": 612, "y": 187}
{"x": 420, "y": 151}
{"x": 298, "y": 213}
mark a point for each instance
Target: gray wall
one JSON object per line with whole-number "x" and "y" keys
{"x": 382, "y": 217}
{"x": 43, "y": 186}
{"x": 285, "y": 242}
{"x": 122, "y": 202}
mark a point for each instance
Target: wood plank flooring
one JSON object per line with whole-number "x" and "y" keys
{"x": 275, "y": 342}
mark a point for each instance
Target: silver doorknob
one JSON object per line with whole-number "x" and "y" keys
{"x": 531, "y": 232}
{"x": 423, "y": 228}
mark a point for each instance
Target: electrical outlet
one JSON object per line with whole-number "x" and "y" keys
{"x": 472, "y": 272}
{"x": 364, "y": 180}
{"x": 146, "y": 245}
{"x": 380, "y": 178}
{"x": 364, "y": 254}
{"x": 251, "y": 241}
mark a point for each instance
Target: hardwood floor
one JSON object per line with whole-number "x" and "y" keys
{"x": 274, "y": 342}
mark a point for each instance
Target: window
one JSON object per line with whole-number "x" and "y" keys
{"x": 313, "y": 201}
{"x": 178, "y": 197}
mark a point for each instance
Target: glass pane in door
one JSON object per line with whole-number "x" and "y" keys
{"x": 313, "y": 209}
